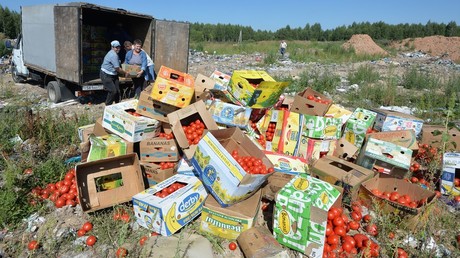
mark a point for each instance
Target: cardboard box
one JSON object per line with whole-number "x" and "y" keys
{"x": 271, "y": 126}
{"x": 131, "y": 70}
{"x": 385, "y": 157}
{"x": 274, "y": 183}
{"x": 342, "y": 173}
{"x": 450, "y": 171}
{"x": 389, "y": 120}
{"x": 169, "y": 214}
{"x": 404, "y": 138}
{"x": 345, "y": 150}
{"x": 290, "y": 135}
{"x": 286, "y": 163}
{"x": 255, "y": 89}
{"x": 229, "y": 114}
{"x": 337, "y": 111}
{"x": 154, "y": 174}
{"x": 107, "y": 182}
{"x": 389, "y": 184}
{"x": 129, "y": 127}
{"x": 224, "y": 178}
{"x": 217, "y": 87}
{"x": 185, "y": 168}
{"x": 313, "y": 149}
{"x": 184, "y": 117}
{"x": 319, "y": 127}
{"x": 258, "y": 242}
{"x": 357, "y": 126}
{"x": 432, "y": 135}
{"x": 149, "y": 107}
{"x": 99, "y": 130}
{"x": 158, "y": 149}
{"x": 84, "y": 132}
{"x": 106, "y": 146}
{"x": 231, "y": 221}
{"x": 317, "y": 105}
{"x": 300, "y": 215}
{"x": 173, "y": 87}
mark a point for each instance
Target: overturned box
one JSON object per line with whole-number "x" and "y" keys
{"x": 170, "y": 205}
{"x": 385, "y": 157}
{"x": 300, "y": 215}
{"x": 149, "y": 107}
{"x": 106, "y": 182}
{"x": 342, "y": 173}
{"x": 224, "y": 178}
{"x": 173, "y": 87}
{"x": 121, "y": 120}
{"x": 389, "y": 120}
{"x": 255, "y": 89}
{"x": 231, "y": 221}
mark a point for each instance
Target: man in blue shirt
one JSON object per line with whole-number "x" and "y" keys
{"x": 110, "y": 69}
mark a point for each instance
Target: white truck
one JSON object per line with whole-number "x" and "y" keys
{"x": 62, "y": 46}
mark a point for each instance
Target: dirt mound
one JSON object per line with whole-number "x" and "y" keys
{"x": 446, "y": 47}
{"x": 363, "y": 44}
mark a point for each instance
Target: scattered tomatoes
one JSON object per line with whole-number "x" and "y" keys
{"x": 232, "y": 246}
{"x": 33, "y": 245}
{"x": 87, "y": 226}
{"x": 81, "y": 232}
{"x": 122, "y": 252}
{"x": 91, "y": 240}
{"x": 143, "y": 240}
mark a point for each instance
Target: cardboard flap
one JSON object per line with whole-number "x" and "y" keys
{"x": 246, "y": 209}
{"x": 345, "y": 149}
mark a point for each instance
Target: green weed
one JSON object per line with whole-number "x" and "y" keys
{"x": 365, "y": 74}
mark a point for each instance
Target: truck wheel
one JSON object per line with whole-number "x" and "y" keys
{"x": 14, "y": 73}
{"x": 54, "y": 91}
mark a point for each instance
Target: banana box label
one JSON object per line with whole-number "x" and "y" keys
{"x": 229, "y": 114}
{"x": 314, "y": 149}
{"x": 322, "y": 127}
{"x": 287, "y": 164}
{"x": 221, "y": 174}
{"x": 290, "y": 135}
{"x": 164, "y": 210}
{"x": 129, "y": 127}
{"x": 300, "y": 215}
{"x": 357, "y": 125}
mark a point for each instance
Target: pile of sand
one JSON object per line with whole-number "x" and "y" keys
{"x": 363, "y": 44}
{"x": 446, "y": 47}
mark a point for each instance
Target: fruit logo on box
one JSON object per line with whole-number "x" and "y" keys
{"x": 322, "y": 127}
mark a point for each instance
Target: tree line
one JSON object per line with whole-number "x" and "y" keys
{"x": 10, "y": 26}
{"x": 378, "y": 30}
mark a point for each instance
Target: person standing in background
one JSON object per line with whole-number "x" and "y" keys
{"x": 283, "y": 46}
{"x": 136, "y": 56}
{"x": 110, "y": 69}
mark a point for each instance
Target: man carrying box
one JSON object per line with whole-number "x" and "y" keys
{"x": 109, "y": 73}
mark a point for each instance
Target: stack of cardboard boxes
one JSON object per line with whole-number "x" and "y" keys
{"x": 316, "y": 155}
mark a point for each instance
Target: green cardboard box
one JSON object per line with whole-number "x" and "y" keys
{"x": 357, "y": 125}
{"x": 320, "y": 127}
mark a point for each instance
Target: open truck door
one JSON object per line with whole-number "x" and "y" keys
{"x": 171, "y": 45}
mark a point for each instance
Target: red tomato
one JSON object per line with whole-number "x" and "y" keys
{"x": 340, "y": 230}
{"x": 457, "y": 182}
{"x": 329, "y": 230}
{"x": 33, "y": 245}
{"x": 91, "y": 240}
{"x": 391, "y": 235}
{"x": 386, "y": 195}
{"x": 347, "y": 247}
{"x": 121, "y": 252}
{"x": 349, "y": 239}
{"x": 376, "y": 192}
{"x": 372, "y": 229}
{"x": 232, "y": 246}
{"x": 414, "y": 180}
{"x": 338, "y": 221}
{"x": 345, "y": 218}
{"x": 81, "y": 232}
{"x": 142, "y": 240}
{"x": 356, "y": 216}
{"x": 87, "y": 226}
{"x": 457, "y": 198}
{"x": 367, "y": 218}
{"x": 69, "y": 176}
{"x": 125, "y": 217}
{"x": 354, "y": 225}
{"x": 394, "y": 196}
{"x": 333, "y": 239}
{"x": 60, "y": 202}
{"x": 402, "y": 200}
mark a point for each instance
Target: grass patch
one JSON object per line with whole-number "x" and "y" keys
{"x": 364, "y": 74}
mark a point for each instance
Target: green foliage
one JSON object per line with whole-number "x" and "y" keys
{"x": 415, "y": 78}
{"x": 364, "y": 74}
{"x": 318, "y": 80}
{"x": 270, "y": 58}
{"x": 11, "y": 22}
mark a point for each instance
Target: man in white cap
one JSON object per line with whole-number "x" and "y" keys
{"x": 110, "y": 69}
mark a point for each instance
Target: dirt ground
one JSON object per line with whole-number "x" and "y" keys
{"x": 446, "y": 47}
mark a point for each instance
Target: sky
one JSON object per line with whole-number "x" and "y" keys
{"x": 273, "y": 15}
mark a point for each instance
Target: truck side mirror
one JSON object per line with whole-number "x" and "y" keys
{"x": 8, "y": 44}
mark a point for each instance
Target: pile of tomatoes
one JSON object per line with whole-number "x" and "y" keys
{"x": 61, "y": 193}
{"x": 170, "y": 189}
{"x": 166, "y": 165}
{"x": 318, "y": 99}
{"x": 402, "y": 199}
{"x": 427, "y": 154}
{"x": 168, "y": 136}
{"x": 251, "y": 165}
{"x": 339, "y": 243}
{"x": 270, "y": 133}
{"x": 194, "y": 131}
{"x": 260, "y": 138}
